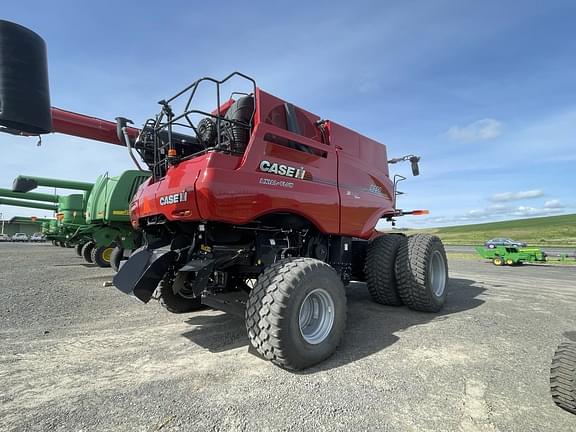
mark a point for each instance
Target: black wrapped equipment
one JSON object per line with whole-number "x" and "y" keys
{"x": 24, "y": 90}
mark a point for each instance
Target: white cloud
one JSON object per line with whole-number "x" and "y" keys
{"x": 492, "y": 213}
{"x": 534, "y": 211}
{"x": 553, "y": 204}
{"x": 516, "y": 196}
{"x": 479, "y": 130}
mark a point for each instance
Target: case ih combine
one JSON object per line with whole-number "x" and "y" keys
{"x": 257, "y": 207}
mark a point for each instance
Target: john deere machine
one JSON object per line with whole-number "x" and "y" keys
{"x": 108, "y": 230}
{"x": 507, "y": 255}
{"x": 254, "y": 206}
{"x": 69, "y": 211}
{"x": 101, "y": 230}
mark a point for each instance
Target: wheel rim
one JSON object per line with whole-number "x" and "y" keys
{"x": 106, "y": 254}
{"x": 316, "y": 316}
{"x": 437, "y": 273}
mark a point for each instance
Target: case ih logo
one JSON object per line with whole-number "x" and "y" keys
{"x": 283, "y": 170}
{"x": 174, "y": 198}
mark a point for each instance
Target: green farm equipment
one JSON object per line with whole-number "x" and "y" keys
{"x": 69, "y": 210}
{"x": 108, "y": 218}
{"x": 105, "y": 232}
{"x": 28, "y": 204}
{"x": 505, "y": 255}
{"x": 50, "y": 228}
{"x": 30, "y": 219}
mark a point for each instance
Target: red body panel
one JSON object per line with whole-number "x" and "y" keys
{"x": 346, "y": 188}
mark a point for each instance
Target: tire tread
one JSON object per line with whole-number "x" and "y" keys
{"x": 267, "y": 305}
{"x": 380, "y": 269}
{"x": 412, "y": 272}
{"x": 563, "y": 377}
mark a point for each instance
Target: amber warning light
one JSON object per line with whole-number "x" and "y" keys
{"x": 418, "y": 212}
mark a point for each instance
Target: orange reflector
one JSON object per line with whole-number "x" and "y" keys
{"x": 60, "y": 216}
{"x": 172, "y": 152}
{"x": 33, "y": 218}
{"x": 420, "y": 212}
{"x": 182, "y": 213}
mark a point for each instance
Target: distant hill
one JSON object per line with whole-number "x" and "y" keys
{"x": 542, "y": 231}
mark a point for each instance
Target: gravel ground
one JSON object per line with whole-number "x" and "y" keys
{"x": 78, "y": 356}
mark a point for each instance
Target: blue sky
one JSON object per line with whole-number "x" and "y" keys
{"x": 485, "y": 91}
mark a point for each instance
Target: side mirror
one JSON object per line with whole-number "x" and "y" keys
{"x": 415, "y": 168}
{"x": 413, "y": 161}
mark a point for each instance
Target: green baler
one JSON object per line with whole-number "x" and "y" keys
{"x": 502, "y": 255}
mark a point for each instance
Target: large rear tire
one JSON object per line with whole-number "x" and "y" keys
{"x": 563, "y": 377}
{"x": 87, "y": 251}
{"x": 380, "y": 269}
{"x": 296, "y": 312}
{"x": 422, "y": 272}
{"x": 101, "y": 255}
{"x": 175, "y": 303}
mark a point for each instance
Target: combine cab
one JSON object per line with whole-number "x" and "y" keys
{"x": 256, "y": 207}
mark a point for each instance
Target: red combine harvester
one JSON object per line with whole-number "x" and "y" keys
{"x": 258, "y": 208}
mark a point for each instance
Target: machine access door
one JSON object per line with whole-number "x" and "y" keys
{"x": 366, "y": 192}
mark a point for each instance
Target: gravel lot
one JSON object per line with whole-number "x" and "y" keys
{"x": 78, "y": 356}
